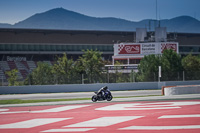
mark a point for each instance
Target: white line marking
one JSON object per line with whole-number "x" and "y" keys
{"x": 160, "y": 127}
{"x": 179, "y": 116}
{"x": 147, "y": 106}
{"x": 135, "y": 106}
{"x": 70, "y": 130}
{"x": 32, "y": 123}
{"x": 59, "y": 109}
{"x": 4, "y": 110}
{"x": 14, "y": 112}
{"x": 104, "y": 121}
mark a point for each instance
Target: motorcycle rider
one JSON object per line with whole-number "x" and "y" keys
{"x": 103, "y": 91}
{"x": 102, "y": 94}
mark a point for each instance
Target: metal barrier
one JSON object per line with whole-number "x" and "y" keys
{"x": 90, "y": 87}
{"x": 178, "y": 90}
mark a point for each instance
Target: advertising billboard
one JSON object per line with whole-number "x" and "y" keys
{"x": 143, "y": 48}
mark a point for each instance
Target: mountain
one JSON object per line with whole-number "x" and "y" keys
{"x": 182, "y": 24}
{"x": 3, "y": 25}
{"x": 60, "y": 18}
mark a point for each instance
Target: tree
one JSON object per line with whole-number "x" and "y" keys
{"x": 63, "y": 70}
{"x": 92, "y": 63}
{"x": 169, "y": 61}
{"x": 12, "y": 80}
{"x": 171, "y": 65}
{"x": 191, "y": 65}
{"x": 118, "y": 76}
{"x": 79, "y": 71}
{"x": 148, "y": 68}
{"x": 42, "y": 75}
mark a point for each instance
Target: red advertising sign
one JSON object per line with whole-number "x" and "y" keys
{"x": 129, "y": 49}
{"x": 172, "y": 46}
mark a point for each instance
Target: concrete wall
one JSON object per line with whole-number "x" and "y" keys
{"x": 90, "y": 87}
{"x": 178, "y": 90}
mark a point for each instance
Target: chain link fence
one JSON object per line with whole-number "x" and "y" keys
{"x": 136, "y": 77}
{"x": 118, "y": 77}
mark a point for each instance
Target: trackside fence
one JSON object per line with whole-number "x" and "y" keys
{"x": 29, "y": 89}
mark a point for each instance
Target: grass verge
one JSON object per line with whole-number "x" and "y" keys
{"x": 19, "y": 101}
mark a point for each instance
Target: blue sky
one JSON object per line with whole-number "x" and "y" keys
{"x": 13, "y": 11}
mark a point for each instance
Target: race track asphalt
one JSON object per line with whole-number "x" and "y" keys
{"x": 124, "y": 99}
{"x": 78, "y": 95}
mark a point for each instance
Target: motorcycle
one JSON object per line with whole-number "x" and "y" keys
{"x": 98, "y": 97}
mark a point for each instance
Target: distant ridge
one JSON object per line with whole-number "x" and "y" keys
{"x": 60, "y": 18}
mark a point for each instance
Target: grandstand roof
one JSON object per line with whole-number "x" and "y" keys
{"x": 39, "y": 36}
{"x": 63, "y": 36}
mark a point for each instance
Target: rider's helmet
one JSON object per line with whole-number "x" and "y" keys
{"x": 105, "y": 87}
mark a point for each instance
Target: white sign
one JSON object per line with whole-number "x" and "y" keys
{"x": 149, "y": 49}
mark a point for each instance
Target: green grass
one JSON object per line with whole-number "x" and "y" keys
{"x": 19, "y": 101}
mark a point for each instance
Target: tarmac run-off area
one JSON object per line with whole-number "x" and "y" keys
{"x": 177, "y": 116}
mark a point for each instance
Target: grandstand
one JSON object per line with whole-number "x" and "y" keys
{"x": 23, "y": 48}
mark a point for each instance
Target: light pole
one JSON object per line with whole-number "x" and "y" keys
{"x": 159, "y": 73}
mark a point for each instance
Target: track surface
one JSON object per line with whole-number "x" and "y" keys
{"x": 181, "y": 116}
{"x": 78, "y": 95}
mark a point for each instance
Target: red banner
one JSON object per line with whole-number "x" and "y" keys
{"x": 129, "y": 49}
{"x": 168, "y": 46}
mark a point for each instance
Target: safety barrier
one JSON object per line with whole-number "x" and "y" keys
{"x": 178, "y": 90}
{"x": 90, "y": 87}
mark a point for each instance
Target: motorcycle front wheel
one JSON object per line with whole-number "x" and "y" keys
{"x": 94, "y": 98}
{"x": 109, "y": 98}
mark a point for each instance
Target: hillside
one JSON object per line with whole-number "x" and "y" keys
{"x": 60, "y": 18}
